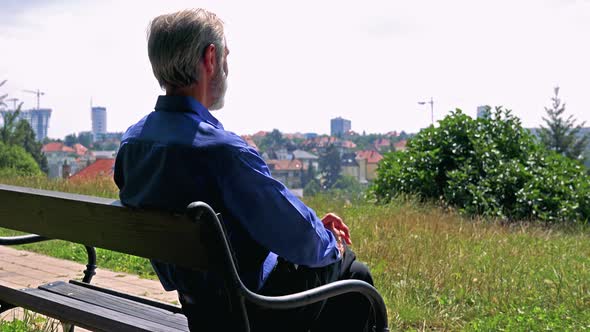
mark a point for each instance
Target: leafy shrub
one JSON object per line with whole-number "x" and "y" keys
{"x": 488, "y": 166}
{"x": 14, "y": 160}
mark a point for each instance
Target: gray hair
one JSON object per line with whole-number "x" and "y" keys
{"x": 177, "y": 41}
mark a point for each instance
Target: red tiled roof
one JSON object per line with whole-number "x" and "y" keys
{"x": 294, "y": 135}
{"x": 285, "y": 165}
{"x": 392, "y": 134}
{"x": 260, "y": 134}
{"x": 56, "y": 147}
{"x": 371, "y": 156}
{"x": 351, "y": 133}
{"x": 80, "y": 149}
{"x": 401, "y": 145}
{"x": 321, "y": 141}
{"x": 382, "y": 142}
{"x": 101, "y": 167}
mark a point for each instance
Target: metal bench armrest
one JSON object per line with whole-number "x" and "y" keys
{"x": 21, "y": 239}
{"x": 201, "y": 212}
{"x": 323, "y": 293}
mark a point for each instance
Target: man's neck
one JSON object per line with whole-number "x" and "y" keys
{"x": 194, "y": 90}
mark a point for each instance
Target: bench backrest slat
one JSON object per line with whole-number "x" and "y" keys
{"x": 104, "y": 223}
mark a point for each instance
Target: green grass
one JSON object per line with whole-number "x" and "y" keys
{"x": 435, "y": 269}
{"x": 28, "y": 322}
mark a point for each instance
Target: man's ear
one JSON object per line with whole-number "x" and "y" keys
{"x": 210, "y": 60}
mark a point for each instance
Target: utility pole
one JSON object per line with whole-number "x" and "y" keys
{"x": 39, "y": 93}
{"x": 431, "y": 102}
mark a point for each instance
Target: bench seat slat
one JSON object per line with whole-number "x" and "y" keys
{"x": 122, "y": 305}
{"x": 152, "y": 303}
{"x": 95, "y": 318}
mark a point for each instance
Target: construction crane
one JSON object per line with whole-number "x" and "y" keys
{"x": 4, "y": 95}
{"x": 39, "y": 93}
{"x": 13, "y": 100}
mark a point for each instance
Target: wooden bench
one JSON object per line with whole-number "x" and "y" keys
{"x": 105, "y": 223}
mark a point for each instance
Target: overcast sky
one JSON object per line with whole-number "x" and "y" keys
{"x": 296, "y": 64}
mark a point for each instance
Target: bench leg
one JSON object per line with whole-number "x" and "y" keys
{"x": 91, "y": 266}
{"x": 67, "y": 327}
{"x": 4, "y": 306}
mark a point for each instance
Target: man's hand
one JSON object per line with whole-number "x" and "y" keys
{"x": 335, "y": 224}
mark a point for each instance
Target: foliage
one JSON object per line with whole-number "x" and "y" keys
{"x": 309, "y": 175}
{"x": 435, "y": 269}
{"x": 489, "y": 166}
{"x": 272, "y": 141}
{"x": 71, "y": 139}
{"x": 19, "y": 133}
{"x": 438, "y": 271}
{"x": 312, "y": 188}
{"x": 346, "y": 188}
{"x": 84, "y": 138}
{"x": 29, "y": 322}
{"x": 367, "y": 141}
{"x": 16, "y": 161}
{"x": 106, "y": 146}
{"x": 563, "y": 135}
{"x": 25, "y": 137}
{"x": 330, "y": 166}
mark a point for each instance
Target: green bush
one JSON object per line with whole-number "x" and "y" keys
{"x": 488, "y": 166}
{"x": 15, "y": 161}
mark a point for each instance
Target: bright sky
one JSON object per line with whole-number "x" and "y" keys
{"x": 294, "y": 65}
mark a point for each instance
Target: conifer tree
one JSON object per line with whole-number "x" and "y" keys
{"x": 563, "y": 135}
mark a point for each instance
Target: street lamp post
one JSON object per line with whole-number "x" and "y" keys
{"x": 431, "y": 102}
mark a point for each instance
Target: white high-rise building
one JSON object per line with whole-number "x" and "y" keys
{"x": 99, "y": 120}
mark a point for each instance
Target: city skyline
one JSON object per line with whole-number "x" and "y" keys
{"x": 370, "y": 63}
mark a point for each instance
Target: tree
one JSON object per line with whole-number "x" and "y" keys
{"x": 71, "y": 139}
{"x": 2, "y": 97}
{"x": 14, "y": 160}
{"x": 25, "y": 137}
{"x": 272, "y": 141}
{"x": 487, "y": 166}
{"x": 85, "y": 139}
{"x": 308, "y": 175}
{"x": 563, "y": 135}
{"x": 348, "y": 188}
{"x": 330, "y": 166}
{"x": 18, "y": 132}
{"x": 312, "y": 188}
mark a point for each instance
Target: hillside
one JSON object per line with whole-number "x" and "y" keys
{"x": 435, "y": 269}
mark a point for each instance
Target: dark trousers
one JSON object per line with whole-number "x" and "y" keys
{"x": 349, "y": 312}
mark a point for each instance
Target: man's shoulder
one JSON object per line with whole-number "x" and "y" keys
{"x": 187, "y": 133}
{"x": 218, "y": 138}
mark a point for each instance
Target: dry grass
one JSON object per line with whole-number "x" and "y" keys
{"x": 438, "y": 270}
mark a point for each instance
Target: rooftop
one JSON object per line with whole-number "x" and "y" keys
{"x": 56, "y": 147}
{"x": 372, "y": 156}
{"x": 285, "y": 165}
{"x": 101, "y": 167}
{"x": 301, "y": 154}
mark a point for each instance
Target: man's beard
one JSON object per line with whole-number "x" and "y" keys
{"x": 218, "y": 87}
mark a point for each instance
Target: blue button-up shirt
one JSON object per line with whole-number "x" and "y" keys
{"x": 180, "y": 154}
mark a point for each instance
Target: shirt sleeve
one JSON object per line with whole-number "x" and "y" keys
{"x": 272, "y": 215}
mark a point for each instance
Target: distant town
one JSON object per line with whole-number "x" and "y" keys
{"x": 293, "y": 158}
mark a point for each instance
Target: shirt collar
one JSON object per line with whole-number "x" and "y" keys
{"x": 186, "y": 104}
